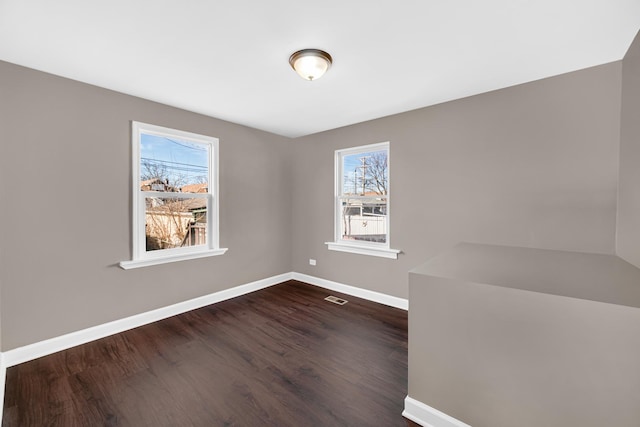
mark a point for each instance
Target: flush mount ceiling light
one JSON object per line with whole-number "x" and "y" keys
{"x": 310, "y": 64}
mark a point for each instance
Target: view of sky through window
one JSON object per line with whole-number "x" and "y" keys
{"x": 361, "y": 172}
{"x": 174, "y": 161}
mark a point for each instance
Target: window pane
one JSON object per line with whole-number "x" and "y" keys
{"x": 173, "y": 223}
{"x": 364, "y": 219}
{"x": 173, "y": 165}
{"x": 365, "y": 174}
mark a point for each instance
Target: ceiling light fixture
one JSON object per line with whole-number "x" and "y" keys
{"x": 310, "y": 64}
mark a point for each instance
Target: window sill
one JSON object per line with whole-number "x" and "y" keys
{"x": 128, "y": 265}
{"x": 363, "y": 250}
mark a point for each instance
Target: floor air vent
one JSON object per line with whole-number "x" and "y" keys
{"x": 336, "y": 300}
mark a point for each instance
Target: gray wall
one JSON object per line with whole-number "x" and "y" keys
{"x": 533, "y": 165}
{"x": 628, "y": 232}
{"x": 65, "y": 183}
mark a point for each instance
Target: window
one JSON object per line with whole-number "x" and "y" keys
{"x": 175, "y": 203}
{"x": 362, "y": 201}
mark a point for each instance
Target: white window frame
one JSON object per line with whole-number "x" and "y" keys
{"x": 360, "y": 247}
{"x": 144, "y": 258}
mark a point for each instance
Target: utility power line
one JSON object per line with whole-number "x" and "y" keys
{"x": 174, "y": 163}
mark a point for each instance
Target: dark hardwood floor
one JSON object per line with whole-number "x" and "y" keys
{"x": 281, "y": 356}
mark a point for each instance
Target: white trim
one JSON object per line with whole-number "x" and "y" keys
{"x": 427, "y": 416}
{"x": 63, "y": 342}
{"x": 363, "y": 250}
{"x": 139, "y": 251}
{"x": 363, "y": 148}
{"x": 137, "y": 263}
{"x": 376, "y": 249}
{"x": 352, "y": 290}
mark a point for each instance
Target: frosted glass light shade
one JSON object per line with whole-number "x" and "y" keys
{"x": 310, "y": 64}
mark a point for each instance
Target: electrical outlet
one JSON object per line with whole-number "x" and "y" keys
{"x": 312, "y": 261}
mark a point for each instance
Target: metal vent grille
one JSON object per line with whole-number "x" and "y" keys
{"x": 336, "y": 300}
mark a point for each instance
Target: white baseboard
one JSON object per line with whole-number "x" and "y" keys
{"x": 427, "y": 416}
{"x": 63, "y": 342}
{"x": 352, "y": 290}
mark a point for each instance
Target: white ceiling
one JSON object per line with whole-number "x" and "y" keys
{"x": 229, "y": 58}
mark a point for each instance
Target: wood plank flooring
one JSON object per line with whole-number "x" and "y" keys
{"x": 281, "y": 356}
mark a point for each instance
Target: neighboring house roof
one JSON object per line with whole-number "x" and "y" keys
{"x": 149, "y": 181}
{"x": 195, "y": 188}
{"x": 194, "y": 204}
{"x": 156, "y": 184}
{"x": 367, "y": 194}
{"x": 180, "y": 205}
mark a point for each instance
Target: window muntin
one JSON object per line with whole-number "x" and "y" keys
{"x": 175, "y": 206}
{"x": 362, "y": 195}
